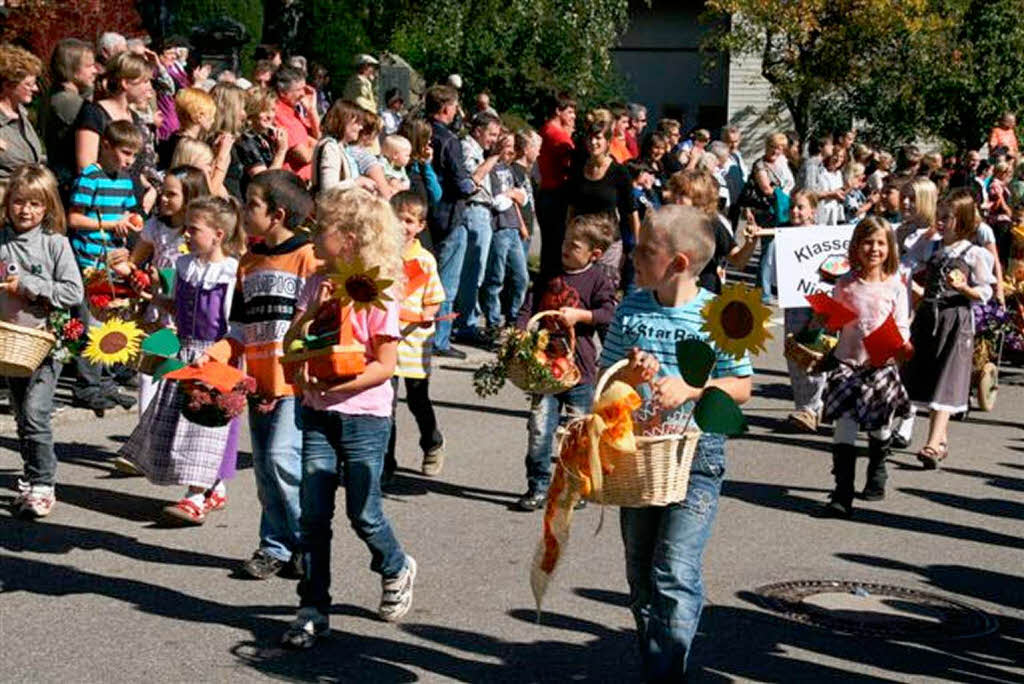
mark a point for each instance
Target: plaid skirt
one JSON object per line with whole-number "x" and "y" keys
{"x": 171, "y": 450}
{"x": 871, "y": 396}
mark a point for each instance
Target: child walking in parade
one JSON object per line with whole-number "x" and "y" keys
{"x": 950, "y": 274}
{"x": 161, "y": 243}
{"x": 664, "y": 546}
{"x": 862, "y": 394}
{"x": 270, "y": 277}
{"x": 165, "y": 446}
{"x": 584, "y": 297}
{"x": 423, "y": 297}
{"x": 39, "y": 275}
{"x": 347, "y": 424}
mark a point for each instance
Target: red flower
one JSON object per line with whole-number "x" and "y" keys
{"x": 73, "y": 330}
{"x": 99, "y": 301}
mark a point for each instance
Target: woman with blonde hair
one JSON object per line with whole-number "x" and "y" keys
{"x": 19, "y": 143}
{"x": 263, "y": 144}
{"x": 196, "y": 111}
{"x": 228, "y": 124}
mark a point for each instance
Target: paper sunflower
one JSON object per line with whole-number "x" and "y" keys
{"x": 736, "y": 319}
{"x": 359, "y": 286}
{"x": 115, "y": 341}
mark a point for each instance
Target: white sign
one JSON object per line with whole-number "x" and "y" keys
{"x": 800, "y": 253}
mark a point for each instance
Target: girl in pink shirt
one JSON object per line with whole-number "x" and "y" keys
{"x": 346, "y": 423}
{"x": 859, "y": 394}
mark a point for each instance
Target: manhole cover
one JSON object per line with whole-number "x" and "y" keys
{"x": 877, "y": 610}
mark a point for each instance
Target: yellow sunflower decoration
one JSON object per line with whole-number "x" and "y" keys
{"x": 115, "y": 341}
{"x": 359, "y": 286}
{"x": 736, "y": 319}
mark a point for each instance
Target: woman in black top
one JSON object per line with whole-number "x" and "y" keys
{"x": 602, "y": 186}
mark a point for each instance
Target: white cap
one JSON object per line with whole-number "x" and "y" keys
{"x": 360, "y": 60}
{"x": 455, "y": 81}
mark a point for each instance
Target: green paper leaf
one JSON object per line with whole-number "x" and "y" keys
{"x": 166, "y": 367}
{"x": 167, "y": 280}
{"x": 696, "y": 359}
{"x": 716, "y": 412}
{"x": 162, "y": 343}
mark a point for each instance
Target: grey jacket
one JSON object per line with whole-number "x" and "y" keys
{"x": 22, "y": 145}
{"x": 47, "y": 273}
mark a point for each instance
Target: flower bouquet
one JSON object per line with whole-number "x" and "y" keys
{"x": 533, "y": 360}
{"x": 213, "y": 394}
{"x": 70, "y": 335}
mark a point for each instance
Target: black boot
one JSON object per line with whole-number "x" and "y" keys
{"x": 878, "y": 451}
{"x": 840, "y": 501}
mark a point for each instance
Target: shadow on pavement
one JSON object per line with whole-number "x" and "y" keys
{"x": 779, "y": 497}
{"x": 482, "y": 408}
{"x": 996, "y": 507}
{"x": 19, "y": 536}
{"x": 406, "y": 483}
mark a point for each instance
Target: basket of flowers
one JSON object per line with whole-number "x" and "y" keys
{"x": 534, "y": 359}
{"x": 214, "y": 393}
{"x": 809, "y": 349}
{"x": 111, "y": 294}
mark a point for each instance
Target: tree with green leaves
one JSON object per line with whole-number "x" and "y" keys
{"x": 814, "y": 52}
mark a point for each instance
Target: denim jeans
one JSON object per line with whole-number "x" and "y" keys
{"x": 329, "y": 440}
{"x": 545, "y": 416}
{"x": 807, "y": 389}
{"x": 94, "y": 380}
{"x": 664, "y": 551}
{"x": 506, "y": 257}
{"x": 32, "y": 401}
{"x": 417, "y": 397}
{"x": 277, "y": 465}
{"x": 450, "y": 253}
{"x": 477, "y": 221}
{"x": 766, "y": 268}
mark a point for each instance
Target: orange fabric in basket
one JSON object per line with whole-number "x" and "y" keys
{"x": 220, "y": 376}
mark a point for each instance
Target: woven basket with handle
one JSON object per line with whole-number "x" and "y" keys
{"x": 22, "y": 349}
{"x": 656, "y": 474}
{"x": 518, "y": 370}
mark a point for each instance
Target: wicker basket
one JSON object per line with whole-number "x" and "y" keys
{"x": 656, "y": 474}
{"x": 518, "y": 370}
{"x": 810, "y": 361}
{"x": 22, "y": 349}
{"x": 981, "y": 356}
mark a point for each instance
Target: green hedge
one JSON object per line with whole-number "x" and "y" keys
{"x": 190, "y": 13}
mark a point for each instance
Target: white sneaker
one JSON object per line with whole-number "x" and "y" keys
{"x": 396, "y": 593}
{"x": 37, "y": 502}
{"x": 308, "y": 626}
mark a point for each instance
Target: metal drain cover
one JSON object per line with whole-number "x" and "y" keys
{"x": 877, "y": 610}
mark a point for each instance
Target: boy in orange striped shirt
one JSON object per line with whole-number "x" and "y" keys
{"x": 423, "y": 297}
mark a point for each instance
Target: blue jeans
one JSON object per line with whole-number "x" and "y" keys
{"x": 477, "y": 222}
{"x": 450, "y": 252}
{"x": 545, "y": 416}
{"x": 506, "y": 255}
{"x": 277, "y": 464}
{"x": 330, "y": 439}
{"x": 664, "y": 551}
{"x": 32, "y": 402}
{"x": 766, "y": 268}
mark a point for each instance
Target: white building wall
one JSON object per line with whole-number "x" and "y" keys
{"x": 749, "y": 105}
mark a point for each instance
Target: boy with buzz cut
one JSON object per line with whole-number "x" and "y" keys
{"x": 100, "y": 220}
{"x": 424, "y": 295}
{"x": 270, "y": 277}
{"x": 664, "y": 546}
{"x": 584, "y": 297}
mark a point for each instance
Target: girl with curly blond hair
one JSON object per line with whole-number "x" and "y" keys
{"x": 346, "y": 422}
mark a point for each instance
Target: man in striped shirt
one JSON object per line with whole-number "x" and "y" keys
{"x": 100, "y": 221}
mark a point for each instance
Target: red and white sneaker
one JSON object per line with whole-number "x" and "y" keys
{"x": 36, "y": 502}
{"x": 185, "y": 512}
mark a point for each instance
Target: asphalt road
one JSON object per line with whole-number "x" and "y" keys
{"x": 97, "y": 592}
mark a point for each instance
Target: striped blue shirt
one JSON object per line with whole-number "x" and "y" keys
{"x": 641, "y": 322}
{"x": 99, "y": 196}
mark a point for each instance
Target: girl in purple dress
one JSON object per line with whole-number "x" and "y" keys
{"x": 165, "y": 446}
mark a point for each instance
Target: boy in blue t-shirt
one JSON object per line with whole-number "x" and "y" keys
{"x": 664, "y": 546}
{"x": 99, "y": 222}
